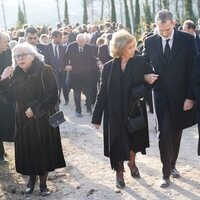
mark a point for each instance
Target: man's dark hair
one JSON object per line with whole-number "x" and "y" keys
{"x": 31, "y": 30}
{"x": 56, "y": 33}
{"x": 163, "y": 15}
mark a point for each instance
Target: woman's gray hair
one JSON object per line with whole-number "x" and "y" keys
{"x": 28, "y": 48}
{"x": 162, "y": 16}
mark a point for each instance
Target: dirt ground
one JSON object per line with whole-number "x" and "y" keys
{"x": 88, "y": 175}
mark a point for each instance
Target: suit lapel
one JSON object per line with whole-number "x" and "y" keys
{"x": 175, "y": 46}
{"x": 160, "y": 49}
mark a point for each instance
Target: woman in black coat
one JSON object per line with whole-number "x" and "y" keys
{"x": 38, "y": 147}
{"x": 121, "y": 85}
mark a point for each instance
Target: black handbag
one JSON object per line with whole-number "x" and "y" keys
{"x": 136, "y": 123}
{"x": 56, "y": 119}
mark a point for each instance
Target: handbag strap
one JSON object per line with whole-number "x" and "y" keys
{"x": 137, "y": 102}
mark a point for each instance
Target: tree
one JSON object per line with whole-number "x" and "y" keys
{"x": 20, "y": 20}
{"x": 66, "y": 14}
{"x": 177, "y": 10}
{"x": 137, "y": 16}
{"x": 154, "y": 6}
{"x": 198, "y": 6}
{"x": 121, "y": 11}
{"x": 4, "y": 16}
{"x": 147, "y": 13}
{"x": 165, "y": 4}
{"x": 132, "y": 14}
{"x": 58, "y": 10}
{"x": 85, "y": 15}
{"x": 102, "y": 10}
{"x": 24, "y": 9}
{"x": 127, "y": 17}
{"x": 113, "y": 11}
{"x": 188, "y": 10}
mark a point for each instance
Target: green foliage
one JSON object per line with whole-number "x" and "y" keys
{"x": 127, "y": 17}
{"x": 66, "y": 14}
{"x": 20, "y": 20}
{"x": 113, "y": 11}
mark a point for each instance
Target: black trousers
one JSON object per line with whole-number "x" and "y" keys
{"x": 2, "y": 151}
{"x": 169, "y": 145}
{"x": 77, "y": 99}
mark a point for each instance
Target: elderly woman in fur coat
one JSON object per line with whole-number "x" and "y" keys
{"x": 32, "y": 84}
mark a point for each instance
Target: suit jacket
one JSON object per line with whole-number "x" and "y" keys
{"x": 82, "y": 63}
{"x": 103, "y": 53}
{"x": 174, "y": 83}
{"x": 57, "y": 67}
{"x": 197, "y": 39}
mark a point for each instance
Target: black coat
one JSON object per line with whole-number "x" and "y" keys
{"x": 37, "y": 145}
{"x": 117, "y": 141}
{"x": 7, "y": 111}
{"x": 174, "y": 83}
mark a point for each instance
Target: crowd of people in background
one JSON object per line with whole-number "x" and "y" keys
{"x": 79, "y": 55}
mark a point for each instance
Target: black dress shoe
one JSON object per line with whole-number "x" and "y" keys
{"x": 175, "y": 173}
{"x": 165, "y": 182}
{"x": 134, "y": 171}
{"x": 120, "y": 179}
{"x": 31, "y": 185}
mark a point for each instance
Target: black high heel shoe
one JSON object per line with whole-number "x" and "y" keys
{"x": 31, "y": 185}
{"x": 120, "y": 179}
{"x": 134, "y": 171}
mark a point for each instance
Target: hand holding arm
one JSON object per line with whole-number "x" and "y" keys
{"x": 150, "y": 78}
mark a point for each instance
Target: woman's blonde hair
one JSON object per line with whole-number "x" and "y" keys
{"x": 119, "y": 40}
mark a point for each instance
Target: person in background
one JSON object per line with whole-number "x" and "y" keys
{"x": 122, "y": 83}
{"x": 7, "y": 114}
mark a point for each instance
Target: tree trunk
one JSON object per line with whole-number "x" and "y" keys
{"x": 102, "y": 10}
{"x": 121, "y": 11}
{"x": 177, "y": 10}
{"x": 58, "y": 10}
{"x": 128, "y": 24}
{"x": 92, "y": 11}
{"x": 154, "y": 6}
{"x": 85, "y": 15}
{"x": 198, "y": 7}
{"x": 24, "y": 8}
{"x": 132, "y": 14}
{"x": 113, "y": 11}
{"x": 4, "y": 16}
{"x": 109, "y": 8}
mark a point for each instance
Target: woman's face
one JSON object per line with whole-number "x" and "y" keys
{"x": 129, "y": 50}
{"x": 23, "y": 58}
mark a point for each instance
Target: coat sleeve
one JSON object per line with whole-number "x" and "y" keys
{"x": 101, "y": 99}
{"x": 41, "y": 107}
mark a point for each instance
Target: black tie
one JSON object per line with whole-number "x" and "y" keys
{"x": 56, "y": 52}
{"x": 81, "y": 49}
{"x": 167, "y": 50}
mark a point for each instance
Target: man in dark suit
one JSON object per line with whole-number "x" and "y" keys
{"x": 190, "y": 27}
{"x": 95, "y": 34}
{"x": 7, "y": 113}
{"x": 171, "y": 54}
{"x": 56, "y": 58}
{"x": 79, "y": 59}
